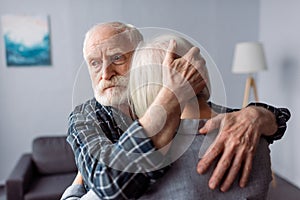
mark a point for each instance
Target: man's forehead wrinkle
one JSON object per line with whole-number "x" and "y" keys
{"x": 94, "y": 51}
{"x": 93, "y": 56}
{"x": 106, "y": 49}
{"x": 111, "y": 48}
{"x": 111, "y": 38}
{"x": 104, "y": 45}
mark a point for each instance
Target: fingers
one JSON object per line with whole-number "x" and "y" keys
{"x": 184, "y": 74}
{"x": 221, "y": 168}
{"x": 170, "y": 54}
{"x": 194, "y": 57}
{"x": 225, "y": 164}
{"x": 233, "y": 172}
{"x": 212, "y": 124}
{"x": 198, "y": 86}
{"x": 192, "y": 54}
{"x": 250, "y": 152}
{"x": 209, "y": 156}
{"x": 246, "y": 171}
{"x": 237, "y": 142}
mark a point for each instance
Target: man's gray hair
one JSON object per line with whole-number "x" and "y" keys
{"x": 132, "y": 33}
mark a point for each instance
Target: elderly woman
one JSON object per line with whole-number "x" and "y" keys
{"x": 182, "y": 180}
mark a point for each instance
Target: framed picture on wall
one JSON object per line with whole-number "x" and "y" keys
{"x": 26, "y": 40}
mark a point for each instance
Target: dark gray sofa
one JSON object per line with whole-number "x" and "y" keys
{"x": 43, "y": 174}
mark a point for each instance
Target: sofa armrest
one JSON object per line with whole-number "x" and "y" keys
{"x": 20, "y": 178}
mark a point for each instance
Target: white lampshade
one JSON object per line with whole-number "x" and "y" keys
{"x": 249, "y": 57}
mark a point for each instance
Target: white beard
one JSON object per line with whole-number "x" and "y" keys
{"x": 114, "y": 98}
{"x": 116, "y": 95}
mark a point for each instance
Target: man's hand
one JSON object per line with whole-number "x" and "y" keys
{"x": 184, "y": 76}
{"x": 236, "y": 143}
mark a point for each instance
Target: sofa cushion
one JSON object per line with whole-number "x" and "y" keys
{"x": 53, "y": 155}
{"x": 49, "y": 187}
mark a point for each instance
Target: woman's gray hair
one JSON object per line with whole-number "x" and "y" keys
{"x": 146, "y": 75}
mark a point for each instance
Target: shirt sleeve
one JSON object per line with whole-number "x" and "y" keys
{"x": 282, "y": 115}
{"x": 121, "y": 170}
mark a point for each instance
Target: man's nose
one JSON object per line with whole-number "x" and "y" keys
{"x": 108, "y": 70}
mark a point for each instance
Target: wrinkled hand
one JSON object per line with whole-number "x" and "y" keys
{"x": 236, "y": 143}
{"x": 184, "y": 75}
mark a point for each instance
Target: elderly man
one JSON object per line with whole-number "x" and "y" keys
{"x": 119, "y": 158}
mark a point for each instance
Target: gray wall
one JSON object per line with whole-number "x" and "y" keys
{"x": 280, "y": 33}
{"x": 36, "y": 101}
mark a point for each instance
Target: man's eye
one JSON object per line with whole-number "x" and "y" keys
{"x": 118, "y": 59}
{"x": 95, "y": 63}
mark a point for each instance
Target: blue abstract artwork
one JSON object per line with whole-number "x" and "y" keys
{"x": 27, "y": 40}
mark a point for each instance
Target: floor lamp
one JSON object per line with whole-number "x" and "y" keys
{"x": 249, "y": 58}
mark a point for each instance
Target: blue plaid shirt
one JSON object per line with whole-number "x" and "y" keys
{"x": 116, "y": 158}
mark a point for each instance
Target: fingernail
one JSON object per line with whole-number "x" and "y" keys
{"x": 212, "y": 185}
{"x": 200, "y": 169}
{"x": 223, "y": 189}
